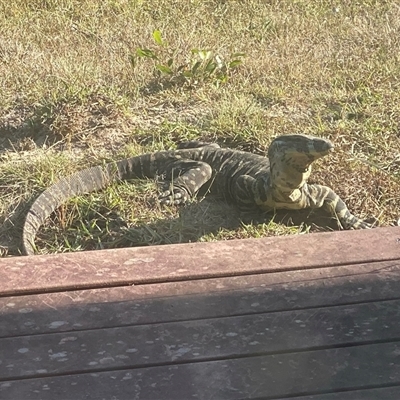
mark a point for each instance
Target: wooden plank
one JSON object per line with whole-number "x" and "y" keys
{"x": 266, "y": 377}
{"x": 209, "y": 298}
{"x": 388, "y": 393}
{"x": 206, "y": 339}
{"x": 195, "y": 260}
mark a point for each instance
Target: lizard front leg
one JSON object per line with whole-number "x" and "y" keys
{"x": 243, "y": 193}
{"x": 183, "y": 179}
{"x": 248, "y": 192}
{"x": 322, "y": 196}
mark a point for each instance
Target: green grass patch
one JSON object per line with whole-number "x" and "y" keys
{"x": 85, "y": 82}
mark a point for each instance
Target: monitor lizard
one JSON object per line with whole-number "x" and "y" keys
{"x": 252, "y": 182}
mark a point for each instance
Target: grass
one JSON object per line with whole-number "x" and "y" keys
{"x": 71, "y": 97}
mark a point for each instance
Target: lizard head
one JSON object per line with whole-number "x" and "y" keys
{"x": 298, "y": 151}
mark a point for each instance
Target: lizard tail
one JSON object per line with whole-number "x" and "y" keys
{"x": 85, "y": 181}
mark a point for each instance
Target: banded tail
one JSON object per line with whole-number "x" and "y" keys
{"x": 85, "y": 181}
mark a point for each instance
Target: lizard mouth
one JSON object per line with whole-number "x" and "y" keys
{"x": 324, "y": 148}
{"x": 331, "y": 149}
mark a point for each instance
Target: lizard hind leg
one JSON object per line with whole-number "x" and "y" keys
{"x": 323, "y": 196}
{"x": 183, "y": 179}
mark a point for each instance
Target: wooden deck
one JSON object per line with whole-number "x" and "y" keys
{"x": 311, "y": 317}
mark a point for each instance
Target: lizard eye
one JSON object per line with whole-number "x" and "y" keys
{"x": 305, "y": 169}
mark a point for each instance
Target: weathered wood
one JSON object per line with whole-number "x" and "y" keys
{"x": 210, "y": 298}
{"x": 313, "y": 317}
{"x": 388, "y": 393}
{"x": 199, "y": 260}
{"x": 266, "y": 377}
{"x": 218, "y": 338}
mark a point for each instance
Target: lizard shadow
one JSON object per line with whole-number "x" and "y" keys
{"x": 206, "y": 220}
{"x": 213, "y": 219}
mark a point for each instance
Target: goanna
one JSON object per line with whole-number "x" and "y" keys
{"x": 251, "y": 181}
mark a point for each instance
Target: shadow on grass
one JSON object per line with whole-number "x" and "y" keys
{"x": 207, "y": 220}
{"x": 56, "y": 121}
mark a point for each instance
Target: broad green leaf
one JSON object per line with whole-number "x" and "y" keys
{"x": 205, "y": 55}
{"x": 235, "y": 63}
{"x": 165, "y": 69}
{"x": 195, "y": 67}
{"x": 210, "y": 67}
{"x": 157, "y": 37}
{"x": 146, "y": 53}
{"x": 235, "y": 55}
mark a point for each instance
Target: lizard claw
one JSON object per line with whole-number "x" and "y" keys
{"x": 369, "y": 223}
{"x": 365, "y": 224}
{"x": 175, "y": 196}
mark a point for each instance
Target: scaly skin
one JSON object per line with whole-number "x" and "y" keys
{"x": 250, "y": 181}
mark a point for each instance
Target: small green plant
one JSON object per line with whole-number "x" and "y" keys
{"x": 200, "y": 65}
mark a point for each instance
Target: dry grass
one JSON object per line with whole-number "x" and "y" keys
{"x": 71, "y": 98}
